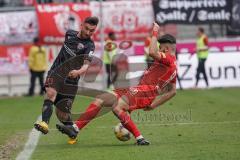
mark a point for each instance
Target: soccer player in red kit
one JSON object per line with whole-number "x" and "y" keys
{"x": 157, "y": 85}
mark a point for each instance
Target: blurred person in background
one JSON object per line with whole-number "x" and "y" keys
{"x": 2, "y": 3}
{"x": 44, "y": 1}
{"x": 37, "y": 62}
{"x": 178, "y": 78}
{"x": 110, "y": 50}
{"x": 202, "y": 54}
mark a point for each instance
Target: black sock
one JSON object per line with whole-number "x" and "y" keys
{"x": 70, "y": 123}
{"x": 47, "y": 110}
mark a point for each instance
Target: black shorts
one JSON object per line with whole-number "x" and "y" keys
{"x": 61, "y": 83}
{"x": 66, "y": 89}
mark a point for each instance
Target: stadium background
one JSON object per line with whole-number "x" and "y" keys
{"x": 211, "y": 115}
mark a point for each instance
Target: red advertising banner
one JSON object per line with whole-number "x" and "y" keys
{"x": 55, "y": 19}
{"x": 130, "y": 20}
{"x": 13, "y": 59}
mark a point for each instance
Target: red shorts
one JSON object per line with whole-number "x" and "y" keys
{"x": 137, "y": 98}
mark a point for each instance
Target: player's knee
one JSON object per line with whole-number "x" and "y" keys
{"x": 117, "y": 109}
{"x": 98, "y": 102}
{"x": 107, "y": 99}
{"x": 51, "y": 94}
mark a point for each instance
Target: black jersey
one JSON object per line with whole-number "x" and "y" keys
{"x": 74, "y": 47}
{"x": 71, "y": 56}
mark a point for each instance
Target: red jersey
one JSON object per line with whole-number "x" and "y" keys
{"x": 161, "y": 72}
{"x": 156, "y": 77}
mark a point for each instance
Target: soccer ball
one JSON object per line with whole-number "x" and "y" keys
{"x": 121, "y": 133}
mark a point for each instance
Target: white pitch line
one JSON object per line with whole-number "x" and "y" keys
{"x": 34, "y": 135}
{"x": 30, "y": 145}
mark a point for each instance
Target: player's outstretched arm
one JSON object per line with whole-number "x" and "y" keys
{"x": 82, "y": 70}
{"x": 169, "y": 93}
{"x": 153, "y": 48}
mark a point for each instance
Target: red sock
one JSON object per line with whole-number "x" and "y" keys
{"x": 88, "y": 115}
{"x": 129, "y": 124}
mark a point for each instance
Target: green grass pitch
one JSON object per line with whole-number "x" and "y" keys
{"x": 194, "y": 125}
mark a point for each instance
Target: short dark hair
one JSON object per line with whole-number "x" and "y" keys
{"x": 111, "y": 34}
{"x": 71, "y": 18}
{"x": 201, "y": 29}
{"x": 167, "y": 38}
{"x": 91, "y": 20}
{"x": 36, "y": 40}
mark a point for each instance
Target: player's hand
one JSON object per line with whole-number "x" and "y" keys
{"x": 73, "y": 74}
{"x": 155, "y": 29}
{"x": 148, "y": 108}
{"x": 155, "y": 26}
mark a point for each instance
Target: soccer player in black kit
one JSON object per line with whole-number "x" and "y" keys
{"x": 72, "y": 61}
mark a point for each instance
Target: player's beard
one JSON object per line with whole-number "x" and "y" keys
{"x": 83, "y": 36}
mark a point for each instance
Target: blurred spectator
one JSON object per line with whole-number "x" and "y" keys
{"x": 110, "y": 50}
{"x": 2, "y": 3}
{"x": 178, "y": 78}
{"x": 44, "y": 1}
{"x": 202, "y": 54}
{"x": 37, "y": 65}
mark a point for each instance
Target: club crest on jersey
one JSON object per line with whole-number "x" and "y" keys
{"x": 133, "y": 91}
{"x": 80, "y": 46}
{"x": 90, "y": 53}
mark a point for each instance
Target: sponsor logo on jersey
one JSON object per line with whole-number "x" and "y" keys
{"x": 90, "y": 53}
{"x": 133, "y": 91}
{"x": 80, "y": 46}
